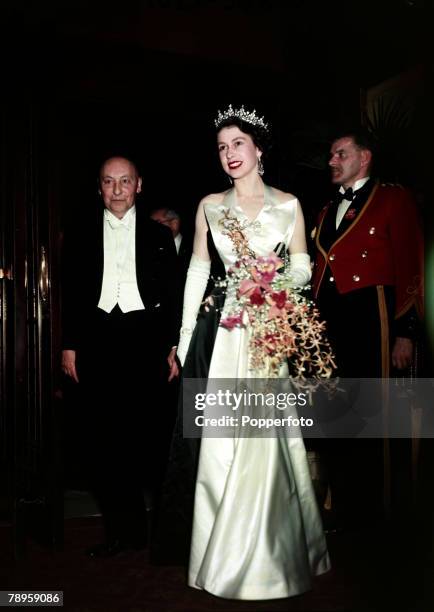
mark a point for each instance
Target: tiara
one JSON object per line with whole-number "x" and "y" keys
{"x": 242, "y": 114}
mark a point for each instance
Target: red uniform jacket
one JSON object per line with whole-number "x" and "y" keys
{"x": 383, "y": 246}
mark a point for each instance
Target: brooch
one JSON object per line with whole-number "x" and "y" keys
{"x": 350, "y": 214}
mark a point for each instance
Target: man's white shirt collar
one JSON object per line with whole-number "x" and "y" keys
{"x": 357, "y": 185}
{"x": 126, "y": 220}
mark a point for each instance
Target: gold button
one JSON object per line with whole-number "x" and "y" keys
{"x": 332, "y": 257}
{"x": 372, "y": 230}
{"x": 356, "y": 278}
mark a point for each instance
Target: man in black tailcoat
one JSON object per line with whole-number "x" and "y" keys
{"x": 120, "y": 303}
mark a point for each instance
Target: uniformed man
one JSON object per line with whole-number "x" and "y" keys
{"x": 368, "y": 286}
{"x": 368, "y": 273}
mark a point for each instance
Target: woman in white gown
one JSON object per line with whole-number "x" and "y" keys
{"x": 257, "y": 533}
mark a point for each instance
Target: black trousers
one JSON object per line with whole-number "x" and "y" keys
{"x": 121, "y": 371}
{"x": 355, "y": 465}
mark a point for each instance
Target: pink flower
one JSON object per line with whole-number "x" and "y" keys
{"x": 247, "y": 287}
{"x": 257, "y": 297}
{"x": 231, "y": 321}
{"x": 263, "y": 274}
{"x": 278, "y": 262}
{"x": 272, "y": 258}
{"x": 279, "y": 298}
{"x": 264, "y": 269}
{"x": 278, "y": 303}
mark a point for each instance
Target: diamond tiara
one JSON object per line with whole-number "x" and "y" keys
{"x": 242, "y": 114}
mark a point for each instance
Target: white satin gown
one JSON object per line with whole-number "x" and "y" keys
{"x": 257, "y": 533}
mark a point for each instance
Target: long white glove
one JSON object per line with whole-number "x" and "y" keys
{"x": 195, "y": 285}
{"x": 299, "y": 269}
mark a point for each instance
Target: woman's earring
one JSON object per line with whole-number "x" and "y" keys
{"x": 260, "y": 167}
{"x": 230, "y": 179}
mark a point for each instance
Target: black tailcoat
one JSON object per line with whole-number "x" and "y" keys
{"x": 121, "y": 364}
{"x": 83, "y": 267}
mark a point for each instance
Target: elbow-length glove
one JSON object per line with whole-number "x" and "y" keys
{"x": 195, "y": 285}
{"x": 300, "y": 269}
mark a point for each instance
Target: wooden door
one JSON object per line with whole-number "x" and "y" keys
{"x": 31, "y": 490}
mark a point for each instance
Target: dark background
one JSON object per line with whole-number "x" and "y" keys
{"x": 146, "y": 78}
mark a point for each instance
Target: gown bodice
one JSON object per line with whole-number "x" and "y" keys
{"x": 270, "y": 230}
{"x": 273, "y": 225}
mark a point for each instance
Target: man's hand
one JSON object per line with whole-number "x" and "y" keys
{"x": 68, "y": 364}
{"x": 173, "y": 366}
{"x": 402, "y": 354}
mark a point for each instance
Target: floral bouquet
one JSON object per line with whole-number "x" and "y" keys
{"x": 283, "y": 323}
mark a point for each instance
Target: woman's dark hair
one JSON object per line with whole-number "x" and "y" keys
{"x": 260, "y": 136}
